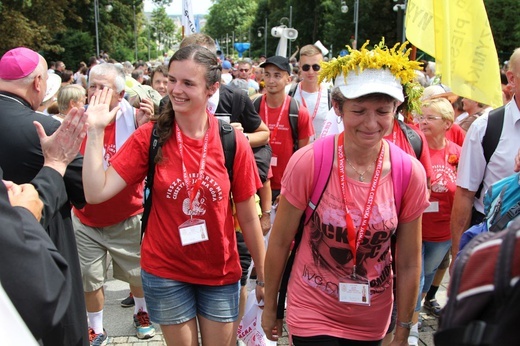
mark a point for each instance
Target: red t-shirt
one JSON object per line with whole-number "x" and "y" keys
{"x": 211, "y": 262}
{"x": 399, "y": 138}
{"x": 125, "y": 204}
{"x": 456, "y": 134}
{"x": 281, "y": 140}
{"x": 436, "y": 225}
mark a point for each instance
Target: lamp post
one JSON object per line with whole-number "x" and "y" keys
{"x": 344, "y": 9}
{"x": 265, "y": 36}
{"x": 401, "y": 13}
{"x": 108, "y": 9}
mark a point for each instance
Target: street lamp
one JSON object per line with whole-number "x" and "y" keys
{"x": 344, "y": 9}
{"x": 108, "y": 9}
{"x": 401, "y": 13}
{"x": 265, "y": 36}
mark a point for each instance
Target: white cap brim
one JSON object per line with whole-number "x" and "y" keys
{"x": 369, "y": 81}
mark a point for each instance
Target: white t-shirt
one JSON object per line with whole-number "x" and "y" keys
{"x": 472, "y": 169}
{"x": 319, "y": 115}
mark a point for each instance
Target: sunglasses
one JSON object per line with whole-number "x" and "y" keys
{"x": 307, "y": 67}
{"x": 244, "y": 70}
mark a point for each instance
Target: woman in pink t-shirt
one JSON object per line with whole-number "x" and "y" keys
{"x": 189, "y": 259}
{"x": 340, "y": 288}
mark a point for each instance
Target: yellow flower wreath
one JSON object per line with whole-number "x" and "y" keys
{"x": 395, "y": 59}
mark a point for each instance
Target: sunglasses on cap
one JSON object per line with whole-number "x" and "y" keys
{"x": 307, "y": 67}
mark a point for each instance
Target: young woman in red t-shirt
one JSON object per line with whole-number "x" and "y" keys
{"x": 190, "y": 265}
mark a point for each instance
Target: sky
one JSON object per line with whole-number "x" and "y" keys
{"x": 199, "y": 6}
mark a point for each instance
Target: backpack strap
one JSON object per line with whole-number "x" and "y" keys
{"x": 413, "y": 138}
{"x": 495, "y": 123}
{"x": 323, "y": 162}
{"x": 401, "y": 173}
{"x": 229, "y": 145}
{"x": 292, "y": 90}
{"x": 147, "y": 195}
{"x": 294, "y": 109}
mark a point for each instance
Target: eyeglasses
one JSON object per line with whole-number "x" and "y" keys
{"x": 244, "y": 70}
{"x": 307, "y": 67}
{"x": 428, "y": 118}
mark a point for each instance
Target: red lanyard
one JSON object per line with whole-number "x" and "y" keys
{"x": 318, "y": 100}
{"x": 192, "y": 189}
{"x": 266, "y": 113}
{"x": 351, "y": 230}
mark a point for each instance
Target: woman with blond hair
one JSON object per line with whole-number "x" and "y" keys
{"x": 70, "y": 96}
{"x": 435, "y": 120}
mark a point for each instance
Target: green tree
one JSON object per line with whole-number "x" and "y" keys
{"x": 230, "y": 16}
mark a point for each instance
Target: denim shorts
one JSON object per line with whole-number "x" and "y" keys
{"x": 174, "y": 302}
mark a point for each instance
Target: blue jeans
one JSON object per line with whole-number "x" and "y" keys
{"x": 432, "y": 255}
{"x": 174, "y": 302}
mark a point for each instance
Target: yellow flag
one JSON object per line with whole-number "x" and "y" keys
{"x": 457, "y": 34}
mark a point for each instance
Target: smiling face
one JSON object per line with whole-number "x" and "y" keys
{"x": 187, "y": 88}
{"x": 432, "y": 124}
{"x": 275, "y": 79}
{"x": 160, "y": 83}
{"x": 366, "y": 119}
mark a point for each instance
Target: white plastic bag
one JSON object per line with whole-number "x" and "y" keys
{"x": 250, "y": 329}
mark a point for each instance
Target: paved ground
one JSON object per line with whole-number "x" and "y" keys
{"x": 118, "y": 320}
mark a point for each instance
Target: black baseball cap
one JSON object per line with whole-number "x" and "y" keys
{"x": 278, "y": 61}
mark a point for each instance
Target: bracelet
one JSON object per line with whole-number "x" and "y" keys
{"x": 405, "y": 325}
{"x": 260, "y": 283}
{"x": 266, "y": 212}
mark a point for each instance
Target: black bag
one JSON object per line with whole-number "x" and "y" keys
{"x": 484, "y": 303}
{"x": 263, "y": 160}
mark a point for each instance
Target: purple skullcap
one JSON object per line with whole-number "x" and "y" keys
{"x": 18, "y": 63}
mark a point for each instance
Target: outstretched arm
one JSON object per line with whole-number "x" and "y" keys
{"x": 99, "y": 185}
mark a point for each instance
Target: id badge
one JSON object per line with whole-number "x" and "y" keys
{"x": 274, "y": 161}
{"x": 433, "y": 208}
{"x": 355, "y": 291}
{"x": 193, "y": 231}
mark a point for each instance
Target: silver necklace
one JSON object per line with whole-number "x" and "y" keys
{"x": 361, "y": 175}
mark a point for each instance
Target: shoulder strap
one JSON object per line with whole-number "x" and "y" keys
{"x": 292, "y": 90}
{"x": 228, "y": 140}
{"x": 294, "y": 108}
{"x": 256, "y": 102}
{"x": 401, "y": 173}
{"x": 147, "y": 198}
{"x": 412, "y": 136}
{"x": 491, "y": 137}
{"x": 493, "y": 132}
{"x": 323, "y": 161}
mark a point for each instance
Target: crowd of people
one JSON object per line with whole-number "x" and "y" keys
{"x": 407, "y": 176}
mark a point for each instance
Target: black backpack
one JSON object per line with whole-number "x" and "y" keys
{"x": 228, "y": 140}
{"x": 294, "y": 108}
{"x": 491, "y": 137}
{"x": 484, "y": 303}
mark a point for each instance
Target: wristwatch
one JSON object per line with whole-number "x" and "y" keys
{"x": 406, "y": 325}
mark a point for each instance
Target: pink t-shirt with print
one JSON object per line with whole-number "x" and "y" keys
{"x": 324, "y": 255}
